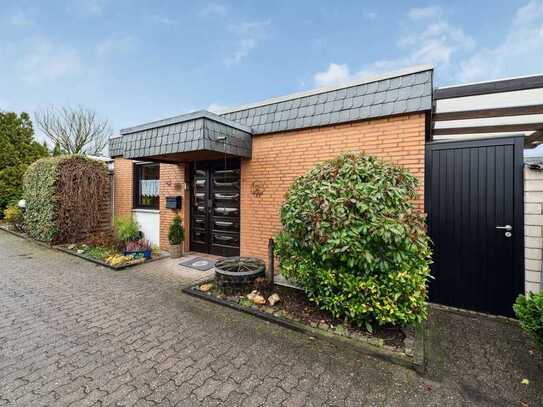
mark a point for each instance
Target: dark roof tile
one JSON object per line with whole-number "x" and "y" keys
{"x": 409, "y": 92}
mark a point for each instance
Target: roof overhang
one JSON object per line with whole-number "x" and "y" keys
{"x": 192, "y": 136}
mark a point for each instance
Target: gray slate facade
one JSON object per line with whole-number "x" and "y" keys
{"x": 192, "y": 132}
{"x": 405, "y": 93}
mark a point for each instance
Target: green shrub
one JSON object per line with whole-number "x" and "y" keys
{"x": 353, "y": 238}
{"x": 64, "y": 198}
{"x": 529, "y": 311}
{"x": 127, "y": 229}
{"x": 39, "y": 192}
{"x": 176, "y": 233}
{"x": 14, "y": 215}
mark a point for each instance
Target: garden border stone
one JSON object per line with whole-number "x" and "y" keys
{"x": 416, "y": 335}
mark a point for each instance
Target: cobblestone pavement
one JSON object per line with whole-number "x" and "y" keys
{"x": 72, "y": 333}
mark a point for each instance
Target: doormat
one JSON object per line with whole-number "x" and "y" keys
{"x": 199, "y": 263}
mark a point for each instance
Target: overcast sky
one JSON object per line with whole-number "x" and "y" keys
{"x": 136, "y": 61}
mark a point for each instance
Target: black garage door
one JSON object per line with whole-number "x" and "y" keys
{"x": 474, "y": 201}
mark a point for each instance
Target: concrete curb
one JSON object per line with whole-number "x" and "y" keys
{"x": 469, "y": 313}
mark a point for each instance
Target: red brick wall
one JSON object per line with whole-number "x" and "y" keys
{"x": 279, "y": 158}
{"x": 123, "y": 186}
{"x": 172, "y": 183}
{"x": 276, "y": 161}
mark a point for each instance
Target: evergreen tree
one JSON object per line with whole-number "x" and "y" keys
{"x": 57, "y": 150}
{"x": 18, "y": 149}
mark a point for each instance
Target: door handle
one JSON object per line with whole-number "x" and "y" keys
{"x": 506, "y": 227}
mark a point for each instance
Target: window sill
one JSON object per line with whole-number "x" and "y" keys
{"x": 146, "y": 210}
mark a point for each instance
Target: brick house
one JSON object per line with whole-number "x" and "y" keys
{"x": 232, "y": 170}
{"x": 227, "y": 174}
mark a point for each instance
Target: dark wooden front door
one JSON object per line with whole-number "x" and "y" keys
{"x": 474, "y": 201}
{"x": 215, "y": 207}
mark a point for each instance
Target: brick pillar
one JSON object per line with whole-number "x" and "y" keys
{"x": 172, "y": 183}
{"x": 123, "y": 180}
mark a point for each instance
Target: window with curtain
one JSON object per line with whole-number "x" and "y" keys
{"x": 146, "y": 186}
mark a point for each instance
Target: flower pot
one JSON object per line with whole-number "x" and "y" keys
{"x": 176, "y": 251}
{"x": 138, "y": 254}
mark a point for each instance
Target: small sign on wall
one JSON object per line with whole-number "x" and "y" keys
{"x": 257, "y": 189}
{"x": 173, "y": 202}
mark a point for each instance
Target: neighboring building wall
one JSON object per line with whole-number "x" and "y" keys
{"x": 280, "y": 157}
{"x": 172, "y": 183}
{"x": 533, "y": 228}
{"x": 105, "y": 224}
{"x": 123, "y": 181}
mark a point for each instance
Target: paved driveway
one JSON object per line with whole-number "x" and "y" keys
{"x": 75, "y": 334}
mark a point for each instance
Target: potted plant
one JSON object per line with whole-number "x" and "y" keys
{"x": 127, "y": 229}
{"x": 139, "y": 249}
{"x": 176, "y": 237}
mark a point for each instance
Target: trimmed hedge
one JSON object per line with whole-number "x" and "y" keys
{"x": 63, "y": 196}
{"x": 354, "y": 240}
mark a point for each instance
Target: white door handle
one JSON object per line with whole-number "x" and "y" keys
{"x": 506, "y": 227}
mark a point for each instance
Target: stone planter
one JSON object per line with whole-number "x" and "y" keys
{"x": 233, "y": 274}
{"x": 176, "y": 251}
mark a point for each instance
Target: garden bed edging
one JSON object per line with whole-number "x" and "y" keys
{"x": 80, "y": 255}
{"x": 414, "y": 336}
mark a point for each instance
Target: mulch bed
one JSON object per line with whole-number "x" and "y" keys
{"x": 294, "y": 305}
{"x": 402, "y": 346}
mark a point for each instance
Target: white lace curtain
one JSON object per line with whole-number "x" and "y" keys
{"x": 150, "y": 187}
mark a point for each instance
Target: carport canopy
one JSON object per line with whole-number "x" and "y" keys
{"x": 497, "y": 108}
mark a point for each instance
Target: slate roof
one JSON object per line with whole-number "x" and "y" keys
{"x": 406, "y": 91}
{"x": 191, "y": 132}
{"x": 391, "y": 96}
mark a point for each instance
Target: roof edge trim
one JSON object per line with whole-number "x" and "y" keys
{"x": 200, "y": 114}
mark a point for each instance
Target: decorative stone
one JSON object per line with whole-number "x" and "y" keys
{"x": 206, "y": 287}
{"x": 259, "y": 299}
{"x": 252, "y": 295}
{"x": 274, "y": 299}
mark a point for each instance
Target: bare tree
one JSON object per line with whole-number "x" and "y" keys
{"x": 75, "y": 130}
